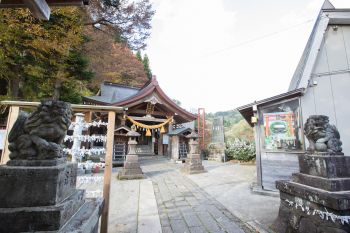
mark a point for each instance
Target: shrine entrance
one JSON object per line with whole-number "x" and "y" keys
{"x": 153, "y": 114}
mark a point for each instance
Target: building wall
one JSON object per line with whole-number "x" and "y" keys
{"x": 329, "y": 88}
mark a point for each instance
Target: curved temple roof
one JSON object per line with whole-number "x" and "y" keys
{"x": 127, "y": 97}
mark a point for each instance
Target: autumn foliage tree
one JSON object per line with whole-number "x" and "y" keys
{"x": 69, "y": 56}
{"x": 37, "y": 56}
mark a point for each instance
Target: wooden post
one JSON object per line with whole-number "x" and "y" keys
{"x": 108, "y": 171}
{"x": 12, "y": 117}
{"x": 160, "y": 144}
{"x": 257, "y": 149}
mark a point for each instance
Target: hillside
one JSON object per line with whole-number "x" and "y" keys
{"x": 111, "y": 61}
{"x": 234, "y": 124}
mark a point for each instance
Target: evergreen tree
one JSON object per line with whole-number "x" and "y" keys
{"x": 139, "y": 56}
{"x": 146, "y": 66}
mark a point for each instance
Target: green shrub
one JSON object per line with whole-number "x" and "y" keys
{"x": 204, "y": 154}
{"x": 241, "y": 150}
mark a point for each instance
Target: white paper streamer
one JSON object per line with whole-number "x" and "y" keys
{"x": 324, "y": 215}
{"x": 93, "y": 194}
{"x": 86, "y": 138}
{"x": 81, "y": 152}
{"x": 87, "y": 125}
{"x": 89, "y": 180}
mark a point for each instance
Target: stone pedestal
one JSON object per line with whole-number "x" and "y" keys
{"x": 44, "y": 198}
{"x": 318, "y": 198}
{"x": 193, "y": 163}
{"x": 131, "y": 169}
{"x": 217, "y": 152}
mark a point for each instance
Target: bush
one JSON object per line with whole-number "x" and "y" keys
{"x": 205, "y": 154}
{"x": 241, "y": 150}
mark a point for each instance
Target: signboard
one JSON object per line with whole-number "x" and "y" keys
{"x": 279, "y": 130}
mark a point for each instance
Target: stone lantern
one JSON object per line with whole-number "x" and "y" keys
{"x": 193, "y": 164}
{"x": 131, "y": 169}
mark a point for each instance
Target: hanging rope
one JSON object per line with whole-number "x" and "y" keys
{"x": 149, "y": 127}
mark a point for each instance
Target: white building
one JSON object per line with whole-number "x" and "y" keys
{"x": 320, "y": 86}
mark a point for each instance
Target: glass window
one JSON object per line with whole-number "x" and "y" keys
{"x": 281, "y": 127}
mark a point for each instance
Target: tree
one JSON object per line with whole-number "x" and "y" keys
{"x": 139, "y": 56}
{"x": 37, "y": 57}
{"x": 111, "y": 61}
{"x": 128, "y": 22}
{"x": 146, "y": 67}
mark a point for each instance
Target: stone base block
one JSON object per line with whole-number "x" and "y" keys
{"x": 130, "y": 176}
{"x": 332, "y": 184}
{"x": 131, "y": 169}
{"x": 296, "y": 215}
{"x": 87, "y": 219}
{"x": 339, "y": 201}
{"x": 42, "y": 218}
{"x": 36, "y": 163}
{"x": 27, "y": 186}
{"x": 193, "y": 165}
{"x": 335, "y": 166}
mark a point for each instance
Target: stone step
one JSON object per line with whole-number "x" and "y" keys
{"x": 331, "y": 184}
{"x": 339, "y": 201}
{"x": 86, "y": 219}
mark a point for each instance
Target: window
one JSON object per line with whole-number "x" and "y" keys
{"x": 281, "y": 127}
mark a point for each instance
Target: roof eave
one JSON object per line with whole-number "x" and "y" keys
{"x": 247, "y": 110}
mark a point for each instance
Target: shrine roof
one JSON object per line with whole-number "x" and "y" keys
{"x": 124, "y": 96}
{"x": 179, "y": 131}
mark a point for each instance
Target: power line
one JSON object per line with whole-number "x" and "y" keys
{"x": 257, "y": 38}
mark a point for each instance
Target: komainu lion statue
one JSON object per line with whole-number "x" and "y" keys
{"x": 322, "y": 136}
{"x": 39, "y": 135}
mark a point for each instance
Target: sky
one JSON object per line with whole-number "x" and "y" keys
{"x": 222, "y": 54}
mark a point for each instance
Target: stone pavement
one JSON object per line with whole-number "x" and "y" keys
{"x": 230, "y": 185}
{"x": 168, "y": 201}
{"x": 133, "y": 207}
{"x": 183, "y": 206}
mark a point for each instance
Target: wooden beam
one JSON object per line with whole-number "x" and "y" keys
{"x": 20, "y": 3}
{"x": 75, "y": 107}
{"x": 11, "y": 119}
{"x": 148, "y": 119}
{"x": 108, "y": 171}
{"x": 39, "y": 8}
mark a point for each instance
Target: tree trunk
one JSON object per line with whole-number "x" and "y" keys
{"x": 13, "y": 87}
{"x": 57, "y": 90}
{"x": 58, "y": 85}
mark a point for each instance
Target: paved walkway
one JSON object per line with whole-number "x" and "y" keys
{"x": 183, "y": 206}
{"x": 168, "y": 201}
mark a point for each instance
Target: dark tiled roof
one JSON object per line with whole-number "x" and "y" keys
{"x": 179, "y": 131}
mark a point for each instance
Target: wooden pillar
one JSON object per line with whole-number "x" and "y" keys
{"x": 12, "y": 117}
{"x": 257, "y": 148}
{"x": 108, "y": 171}
{"x": 160, "y": 144}
{"x": 175, "y": 147}
{"x": 152, "y": 142}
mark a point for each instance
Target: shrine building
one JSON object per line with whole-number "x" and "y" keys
{"x": 162, "y": 124}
